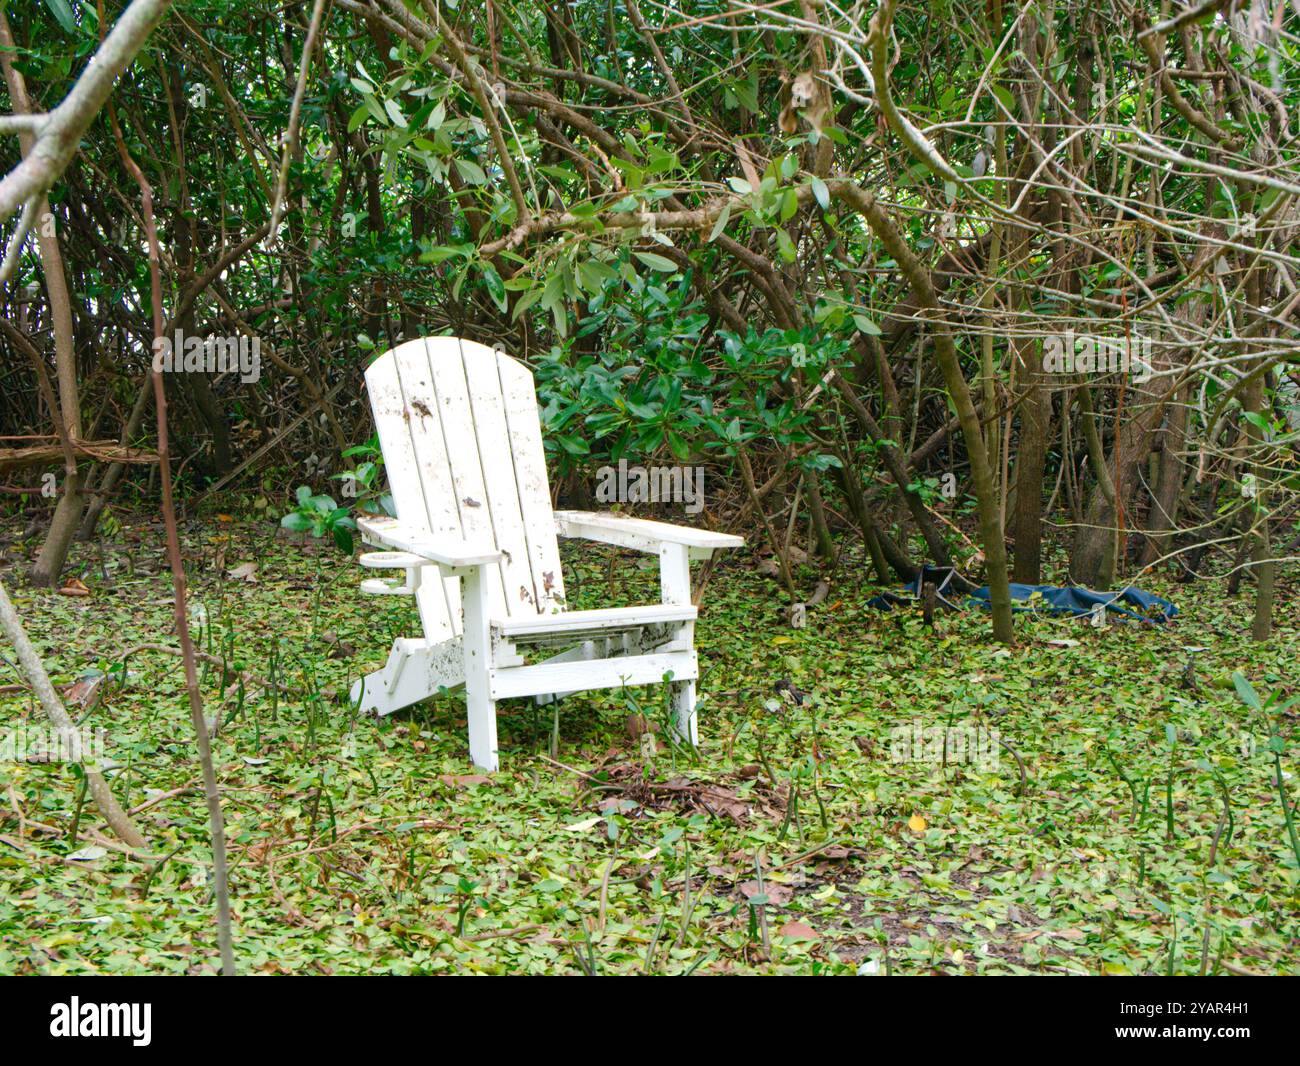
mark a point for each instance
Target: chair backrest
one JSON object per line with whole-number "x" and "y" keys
{"x": 462, "y": 442}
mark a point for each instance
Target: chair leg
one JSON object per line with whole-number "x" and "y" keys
{"x": 684, "y": 719}
{"x": 482, "y": 710}
{"x": 482, "y": 727}
{"x": 415, "y": 671}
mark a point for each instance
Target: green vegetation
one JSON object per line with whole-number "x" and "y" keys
{"x": 359, "y": 846}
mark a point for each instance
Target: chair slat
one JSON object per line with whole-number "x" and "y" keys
{"x": 525, "y": 432}
{"x": 483, "y": 380}
{"x": 466, "y": 451}
{"x": 388, "y": 404}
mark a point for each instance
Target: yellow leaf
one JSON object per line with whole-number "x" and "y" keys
{"x": 916, "y": 824}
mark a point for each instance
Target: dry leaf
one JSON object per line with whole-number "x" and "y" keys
{"x": 84, "y": 691}
{"x": 464, "y": 780}
{"x": 243, "y": 572}
{"x": 778, "y": 895}
{"x": 73, "y": 587}
{"x": 916, "y": 824}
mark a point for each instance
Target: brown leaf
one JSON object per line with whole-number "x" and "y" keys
{"x": 798, "y": 931}
{"x": 722, "y": 801}
{"x": 73, "y": 587}
{"x": 339, "y": 649}
{"x": 464, "y": 780}
{"x": 778, "y": 895}
{"x": 83, "y": 692}
{"x": 638, "y": 725}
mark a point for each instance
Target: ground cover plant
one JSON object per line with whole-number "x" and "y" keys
{"x": 813, "y": 836}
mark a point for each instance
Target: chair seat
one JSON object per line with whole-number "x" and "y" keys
{"x": 602, "y": 620}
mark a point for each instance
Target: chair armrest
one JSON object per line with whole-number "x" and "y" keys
{"x": 445, "y": 551}
{"x": 638, "y": 533}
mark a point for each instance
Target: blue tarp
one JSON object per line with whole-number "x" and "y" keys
{"x": 1053, "y": 599}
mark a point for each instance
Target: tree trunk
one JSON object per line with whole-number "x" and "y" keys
{"x": 54, "y": 552}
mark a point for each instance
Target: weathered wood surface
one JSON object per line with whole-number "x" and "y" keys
{"x": 478, "y": 540}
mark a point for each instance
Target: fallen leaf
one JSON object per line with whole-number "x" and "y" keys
{"x": 777, "y": 895}
{"x": 797, "y": 931}
{"x": 464, "y": 780}
{"x": 584, "y": 825}
{"x": 638, "y": 725}
{"x": 916, "y": 824}
{"x": 83, "y": 692}
{"x": 243, "y": 572}
{"x": 73, "y": 587}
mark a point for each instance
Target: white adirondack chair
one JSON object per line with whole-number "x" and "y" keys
{"x": 476, "y": 537}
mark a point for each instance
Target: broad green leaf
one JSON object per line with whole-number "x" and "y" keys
{"x": 656, "y": 262}
{"x": 821, "y": 193}
{"x": 62, "y": 11}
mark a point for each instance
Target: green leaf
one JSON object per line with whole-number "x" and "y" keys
{"x": 721, "y": 223}
{"x": 395, "y": 113}
{"x": 1245, "y": 691}
{"x": 471, "y": 172}
{"x": 440, "y": 253}
{"x": 573, "y": 445}
{"x": 62, "y": 11}
{"x": 789, "y": 204}
{"x": 358, "y": 117}
{"x": 495, "y": 286}
{"x": 656, "y": 262}
{"x": 785, "y": 245}
{"x": 821, "y": 193}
